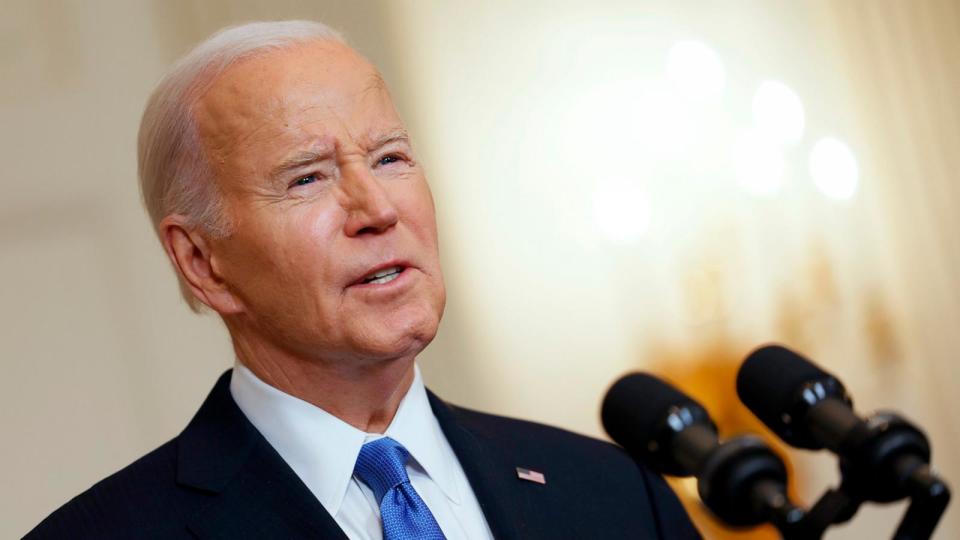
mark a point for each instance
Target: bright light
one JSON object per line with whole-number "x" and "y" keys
{"x": 758, "y": 164}
{"x": 620, "y": 211}
{"x": 696, "y": 71}
{"x": 660, "y": 124}
{"x": 778, "y": 112}
{"x": 834, "y": 168}
{"x": 640, "y": 119}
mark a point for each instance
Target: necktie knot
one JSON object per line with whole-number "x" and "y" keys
{"x": 382, "y": 465}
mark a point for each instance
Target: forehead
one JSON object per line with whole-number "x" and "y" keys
{"x": 315, "y": 90}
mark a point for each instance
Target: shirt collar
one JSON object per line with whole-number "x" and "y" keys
{"x": 322, "y": 449}
{"x": 416, "y": 428}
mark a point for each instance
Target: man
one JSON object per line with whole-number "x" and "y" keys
{"x": 287, "y": 195}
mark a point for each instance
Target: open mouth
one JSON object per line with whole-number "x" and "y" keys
{"x": 383, "y": 276}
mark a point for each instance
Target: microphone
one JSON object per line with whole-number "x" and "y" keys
{"x": 740, "y": 480}
{"x": 804, "y": 405}
{"x": 883, "y": 458}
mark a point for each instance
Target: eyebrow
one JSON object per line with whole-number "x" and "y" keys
{"x": 307, "y": 157}
{"x": 300, "y": 159}
{"x": 399, "y": 135}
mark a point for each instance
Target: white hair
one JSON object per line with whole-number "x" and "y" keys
{"x": 175, "y": 176}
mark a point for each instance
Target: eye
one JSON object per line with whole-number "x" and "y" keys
{"x": 388, "y": 159}
{"x": 304, "y": 180}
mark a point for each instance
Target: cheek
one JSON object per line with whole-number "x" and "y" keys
{"x": 309, "y": 237}
{"x": 320, "y": 224}
{"x": 418, "y": 208}
{"x": 286, "y": 247}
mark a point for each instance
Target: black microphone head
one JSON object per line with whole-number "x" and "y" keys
{"x": 642, "y": 413}
{"x": 775, "y": 383}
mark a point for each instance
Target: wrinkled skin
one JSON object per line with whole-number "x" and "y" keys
{"x": 321, "y": 187}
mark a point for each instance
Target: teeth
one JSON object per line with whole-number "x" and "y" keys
{"x": 385, "y": 272}
{"x": 384, "y": 276}
{"x": 386, "y": 279}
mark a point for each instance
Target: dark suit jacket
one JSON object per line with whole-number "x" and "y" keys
{"x": 221, "y": 479}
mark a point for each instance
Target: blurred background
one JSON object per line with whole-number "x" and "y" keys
{"x": 652, "y": 184}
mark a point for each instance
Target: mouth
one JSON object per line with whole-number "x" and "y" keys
{"x": 383, "y": 275}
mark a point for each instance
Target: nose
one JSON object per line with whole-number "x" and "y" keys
{"x": 368, "y": 205}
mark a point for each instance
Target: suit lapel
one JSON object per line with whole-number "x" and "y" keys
{"x": 266, "y": 500}
{"x": 505, "y": 500}
{"x": 254, "y": 493}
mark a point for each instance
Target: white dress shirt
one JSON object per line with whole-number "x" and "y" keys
{"x": 322, "y": 450}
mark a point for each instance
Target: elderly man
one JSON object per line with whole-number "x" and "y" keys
{"x": 287, "y": 195}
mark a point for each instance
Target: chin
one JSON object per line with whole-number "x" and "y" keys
{"x": 402, "y": 340}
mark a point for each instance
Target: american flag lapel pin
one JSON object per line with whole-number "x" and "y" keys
{"x": 531, "y": 476}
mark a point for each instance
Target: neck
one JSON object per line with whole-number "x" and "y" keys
{"x": 363, "y": 393}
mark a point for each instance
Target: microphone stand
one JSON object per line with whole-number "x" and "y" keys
{"x": 928, "y": 501}
{"x": 890, "y": 462}
{"x": 929, "y": 496}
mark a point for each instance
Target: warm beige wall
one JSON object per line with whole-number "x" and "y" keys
{"x": 548, "y": 102}
{"x": 102, "y": 362}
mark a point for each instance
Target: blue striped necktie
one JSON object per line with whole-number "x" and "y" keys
{"x": 382, "y": 467}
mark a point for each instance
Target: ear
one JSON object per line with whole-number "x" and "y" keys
{"x": 192, "y": 256}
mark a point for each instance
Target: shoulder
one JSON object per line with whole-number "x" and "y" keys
{"x": 535, "y": 438}
{"x": 619, "y": 487}
{"x": 142, "y": 497}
